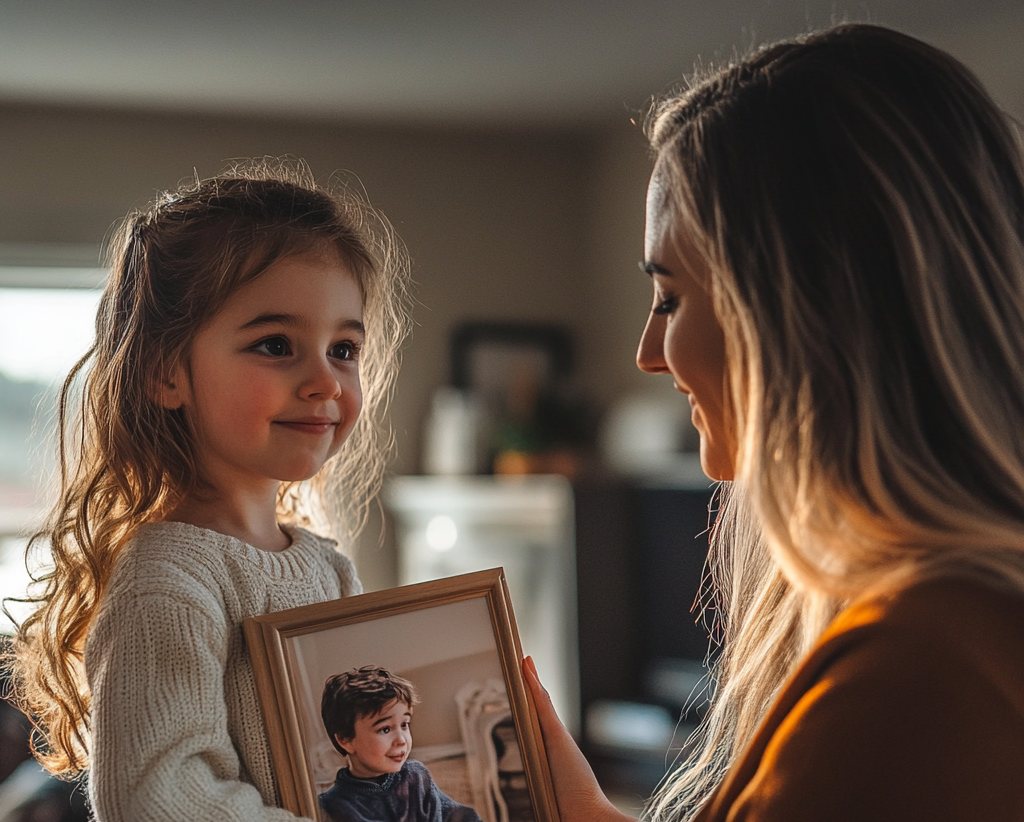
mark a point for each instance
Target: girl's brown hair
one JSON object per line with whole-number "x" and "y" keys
{"x": 125, "y": 460}
{"x": 859, "y": 199}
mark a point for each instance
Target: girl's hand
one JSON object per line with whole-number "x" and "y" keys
{"x": 579, "y": 797}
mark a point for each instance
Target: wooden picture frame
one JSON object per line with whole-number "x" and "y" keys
{"x": 456, "y": 640}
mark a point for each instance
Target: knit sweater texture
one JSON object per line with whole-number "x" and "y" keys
{"x": 177, "y": 731}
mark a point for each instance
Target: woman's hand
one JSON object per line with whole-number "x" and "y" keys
{"x": 579, "y": 797}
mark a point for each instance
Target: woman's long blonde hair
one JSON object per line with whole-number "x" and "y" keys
{"x": 125, "y": 460}
{"x": 860, "y": 201}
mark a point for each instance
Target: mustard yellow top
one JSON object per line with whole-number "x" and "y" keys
{"x": 909, "y": 708}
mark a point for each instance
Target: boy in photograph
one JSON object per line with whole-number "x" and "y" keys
{"x": 367, "y": 714}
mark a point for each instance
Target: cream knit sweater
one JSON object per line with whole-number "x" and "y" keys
{"x": 177, "y": 732}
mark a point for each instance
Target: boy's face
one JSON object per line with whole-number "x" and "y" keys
{"x": 381, "y": 743}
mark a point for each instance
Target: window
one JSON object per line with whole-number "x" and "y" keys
{"x": 47, "y": 317}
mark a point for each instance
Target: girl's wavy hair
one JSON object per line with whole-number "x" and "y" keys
{"x": 125, "y": 460}
{"x": 859, "y": 199}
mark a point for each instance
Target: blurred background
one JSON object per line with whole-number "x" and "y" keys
{"x": 501, "y": 141}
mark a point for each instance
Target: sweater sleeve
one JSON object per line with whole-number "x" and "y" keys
{"x": 160, "y": 743}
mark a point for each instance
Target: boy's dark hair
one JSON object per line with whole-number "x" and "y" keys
{"x": 358, "y": 693}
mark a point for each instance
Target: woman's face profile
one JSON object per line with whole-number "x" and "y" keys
{"x": 683, "y": 336}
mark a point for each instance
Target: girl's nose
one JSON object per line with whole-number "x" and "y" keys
{"x": 320, "y": 380}
{"x": 650, "y": 355}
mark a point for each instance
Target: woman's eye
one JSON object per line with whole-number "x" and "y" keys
{"x": 344, "y": 351}
{"x": 666, "y": 306}
{"x": 273, "y": 347}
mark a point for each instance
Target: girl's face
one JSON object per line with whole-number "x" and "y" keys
{"x": 683, "y": 336}
{"x": 271, "y": 386}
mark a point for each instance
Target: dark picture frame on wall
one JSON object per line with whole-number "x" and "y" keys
{"x": 474, "y": 731}
{"x": 498, "y": 360}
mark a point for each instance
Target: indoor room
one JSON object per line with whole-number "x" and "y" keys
{"x": 505, "y": 143}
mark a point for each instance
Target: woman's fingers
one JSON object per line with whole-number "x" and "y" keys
{"x": 579, "y": 797}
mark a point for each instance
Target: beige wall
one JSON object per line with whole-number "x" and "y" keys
{"x": 501, "y": 225}
{"x": 436, "y": 720}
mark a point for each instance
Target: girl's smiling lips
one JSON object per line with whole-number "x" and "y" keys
{"x": 309, "y": 425}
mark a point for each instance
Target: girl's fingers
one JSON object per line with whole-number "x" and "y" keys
{"x": 579, "y": 797}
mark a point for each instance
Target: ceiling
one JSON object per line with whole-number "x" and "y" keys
{"x": 483, "y": 61}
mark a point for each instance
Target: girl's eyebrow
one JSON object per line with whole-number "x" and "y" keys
{"x": 352, "y": 325}
{"x": 271, "y": 319}
{"x": 291, "y": 319}
{"x": 650, "y": 269}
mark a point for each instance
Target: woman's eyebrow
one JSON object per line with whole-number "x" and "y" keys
{"x": 650, "y": 269}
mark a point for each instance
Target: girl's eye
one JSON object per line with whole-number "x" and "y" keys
{"x": 666, "y": 306}
{"x": 273, "y": 347}
{"x": 347, "y": 350}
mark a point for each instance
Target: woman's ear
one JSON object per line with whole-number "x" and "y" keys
{"x": 169, "y": 389}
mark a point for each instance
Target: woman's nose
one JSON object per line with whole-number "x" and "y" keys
{"x": 650, "y": 355}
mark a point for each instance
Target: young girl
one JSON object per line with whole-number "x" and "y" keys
{"x": 835, "y": 234}
{"x": 248, "y": 337}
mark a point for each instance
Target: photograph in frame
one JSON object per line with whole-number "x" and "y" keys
{"x": 475, "y": 751}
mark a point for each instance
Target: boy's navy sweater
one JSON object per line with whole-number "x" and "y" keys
{"x": 407, "y": 796}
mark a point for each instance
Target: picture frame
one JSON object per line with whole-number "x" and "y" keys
{"x": 496, "y": 361}
{"x": 455, "y": 639}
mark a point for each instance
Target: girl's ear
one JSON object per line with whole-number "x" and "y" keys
{"x": 342, "y": 743}
{"x": 169, "y": 390}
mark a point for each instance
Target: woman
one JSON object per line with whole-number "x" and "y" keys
{"x": 835, "y": 232}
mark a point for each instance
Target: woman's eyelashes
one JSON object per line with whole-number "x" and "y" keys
{"x": 278, "y": 346}
{"x": 666, "y": 306}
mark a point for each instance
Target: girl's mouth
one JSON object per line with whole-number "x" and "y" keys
{"x": 308, "y": 426}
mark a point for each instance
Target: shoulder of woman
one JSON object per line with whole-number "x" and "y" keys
{"x": 967, "y": 615}
{"x": 919, "y": 640}
{"x": 910, "y": 706}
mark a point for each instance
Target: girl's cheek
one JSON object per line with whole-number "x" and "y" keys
{"x": 258, "y": 392}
